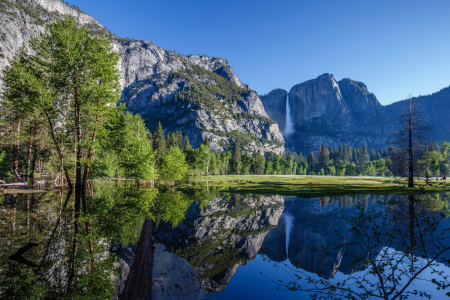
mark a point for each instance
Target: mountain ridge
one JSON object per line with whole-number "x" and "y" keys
{"x": 147, "y": 77}
{"x": 330, "y": 112}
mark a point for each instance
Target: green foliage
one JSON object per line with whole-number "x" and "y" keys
{"x": 70, "y": 78}
{"x": 124, "y": 149}
{"x": 159, "y": 142}
{"x": 173, "y": 165}
{"x": 429, "y": 164}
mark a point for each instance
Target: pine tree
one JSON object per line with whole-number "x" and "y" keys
{"x": 364, "y": 155}
{"x": 159, "y": 142}
{"x": 259, "y": 163}
{"x": 187, "y": 146}
{"x": 179, "y": 139}
{"x": 311, "y": 161}
{"x": 323, "y": 157}
{"x": 345, "y": 155}
{"x": 171, "y": 140}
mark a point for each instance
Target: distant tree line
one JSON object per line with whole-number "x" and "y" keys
{"x": 341, "y": 161}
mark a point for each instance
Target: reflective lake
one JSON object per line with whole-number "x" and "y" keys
{"x": 209, "y": 244}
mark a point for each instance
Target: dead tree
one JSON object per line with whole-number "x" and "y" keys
{"x": 410, "y": 140}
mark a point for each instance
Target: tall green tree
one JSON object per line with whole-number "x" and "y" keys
{"x": 173, "y": 165}
{"x": 259, "y": 163}
{"x": 236, "y": 163}
{"x": 159, "y": 142}
{"x": 73, "y": 80}
{"x": 364, "y": 156}
{"x": 187, "y": 146}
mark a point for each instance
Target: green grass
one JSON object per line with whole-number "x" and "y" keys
{"x": 313, "y": 186}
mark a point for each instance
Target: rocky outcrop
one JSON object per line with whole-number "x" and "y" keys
{"x": 156, "y": 85}
{"x": 275, "y": 105}
{"x": 61, "y": 7}
{"x": 22, "y": 20}
{"x": 149, "y": 87}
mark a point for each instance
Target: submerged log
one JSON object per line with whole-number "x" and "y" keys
{"x": 139, "y": 282}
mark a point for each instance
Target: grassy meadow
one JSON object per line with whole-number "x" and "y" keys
{"x": 307, "y": 185}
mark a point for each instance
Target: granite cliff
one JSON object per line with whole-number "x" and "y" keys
{"x": 199, "y": 95}
{"x": 330, "y": 112}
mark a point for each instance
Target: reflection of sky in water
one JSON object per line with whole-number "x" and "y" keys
{"x": 248, "y": 283}
{"x": 305, "y": 217}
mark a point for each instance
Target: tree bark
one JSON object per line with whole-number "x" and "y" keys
{"x": 16, "y": 148}
{"x": 30, "y": 148}
{"x": 61, "y": 155}
{"x": 139, "y": 282}
{"x": 410, "y": 151}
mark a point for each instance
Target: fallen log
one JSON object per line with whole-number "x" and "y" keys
{"x": 18, "y": 176}
{"x": 138, "y": 285}
{"x": 19, "y": 191}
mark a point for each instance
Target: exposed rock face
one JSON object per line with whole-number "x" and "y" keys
{"x": 275, "y": 105}
{"x": 153, "y": 77}
{"x": 314, "y": 98}
{"x": 18, "y": 26}
{"x": 328, "y": 112}
{"x": 149, "y": 86}
{"x": 225, "y": 236}
{"x": 62, "y": 8}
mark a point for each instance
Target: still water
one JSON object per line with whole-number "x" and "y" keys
{"x": 209, "y": 244}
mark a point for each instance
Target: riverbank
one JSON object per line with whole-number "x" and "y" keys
{"x": 312, "y": 186}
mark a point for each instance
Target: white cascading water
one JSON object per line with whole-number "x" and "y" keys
{"x": 288, "y": 221}
{"x": 289, "y": 127}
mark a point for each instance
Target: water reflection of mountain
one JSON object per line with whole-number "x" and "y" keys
{"x": 225, "y": 235}
{"x": 218, "y": 240}
{"x": 314, "y": 223}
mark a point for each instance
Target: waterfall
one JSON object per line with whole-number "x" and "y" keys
{"x": 289, "y": 126}
{"x": 288, "y": 220}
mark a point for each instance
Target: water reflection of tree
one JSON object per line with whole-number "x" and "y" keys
{"x": 73, "y": 237}
{"x": 391, "y": 244}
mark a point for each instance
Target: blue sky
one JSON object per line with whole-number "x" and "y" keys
{"x": 394, "y": 47}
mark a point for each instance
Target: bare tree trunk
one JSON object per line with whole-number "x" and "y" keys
{"x": 88, "y": 232}
{"x": 411, "y": 227}
{"x": 139, "y": 281}
{"x": 30, "y": 148}
{"x": 410, "y": 151}
{"x": 72, "y": 265}
{"x": 59, "y": 150}
{"x": 16, "y": 148}
{"x": 33, "y": 165}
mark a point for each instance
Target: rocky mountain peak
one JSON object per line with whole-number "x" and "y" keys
{"x": 61, "y": 7}
{"x": 313, "y": 98}
{"x": 197, "y": 94}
